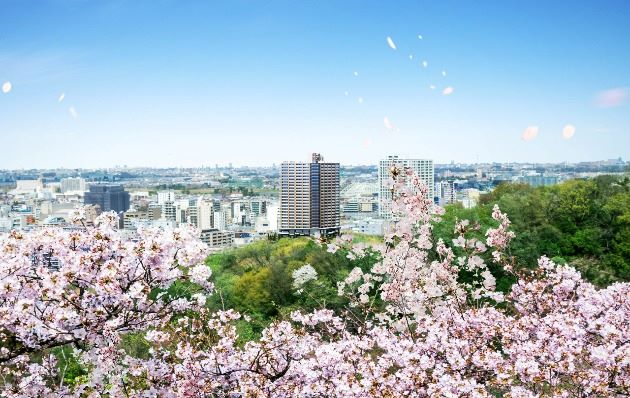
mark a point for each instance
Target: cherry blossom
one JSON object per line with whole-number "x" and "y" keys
{"x": 412, "y": 326}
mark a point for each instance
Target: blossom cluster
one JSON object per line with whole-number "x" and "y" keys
{"x": 412, "y": 328}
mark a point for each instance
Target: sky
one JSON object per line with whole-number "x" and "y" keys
{"x": 189, "y": 83}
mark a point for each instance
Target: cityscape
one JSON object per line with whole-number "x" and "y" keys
{"x": 314, "y": 199}
{"x": 236, "y": 206}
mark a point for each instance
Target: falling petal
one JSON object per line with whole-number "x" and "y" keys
{"x": 360, "y": 100}
{"x": 432, "y": 87}
{"x": 612, "y": 98}
{"x": 530, "y": 133}
{"x": 448, "y": 90}
{"x": 388, "y": 124}
{"x": 410, "y": 56}
{"x": 420, "y": 37}
{"x": 568, "y": 131}
{"x": 73, "y": 112}
{"x": 444, "y": 73}
{"x": 355, "y": 73}
{"x": 6, "y": 87}
{"x": 425, "y": 64}
{"x": 367, "y": 142}
{"x": 391, "y": 43}
{"x": 62, "y": 96}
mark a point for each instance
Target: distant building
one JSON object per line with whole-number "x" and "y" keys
{"x": 470, "y": 197}
{"x": 108, "y": 197}
{"x": 360, "y": 205}
{"x": 219, "y": 220}
{"x": 205, "y": 213}
{"x": 258, "y": 207}
{"x": 423, "y": 168}
{"x": 133, "y": 218}
{"x": 154, "y": 211}
{"x": 28, "y": 187}
{"x": 273, "y": 213}
{"x": 217, "y": 239}
{"x": 169, "y": 211}
{"x": 91, "y": 212}
{"x": 192, "y": 215}
{"x": 538, "y": 180}
{"x": 309, "y": 198}
{"x": 445, "y": 192}
{"x": 368, "y": 226}
{"x": 359, "y": 200}
{"x": 165, "y": 196}
{"x": 181, "y": 211}
{"x": 72, "y": 184}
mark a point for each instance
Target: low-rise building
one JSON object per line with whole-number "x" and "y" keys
{"x": 217, "y": 239}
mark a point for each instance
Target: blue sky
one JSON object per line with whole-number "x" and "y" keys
{"x": 189, "y": 83}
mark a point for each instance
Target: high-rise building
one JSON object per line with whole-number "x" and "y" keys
{"x": 309, "y": 197}
{"x": 169, "y": 211}
{"x": 445, "y": 192}
{"x": 219, "y": 220}
{"x": 423, "y": 168}
{"x": 192, "y": 214}
{"x": 205, "y": 210}
{"x": 166, "y": 196}
{"x": 108, "y": 197}
{"x": 181, "y": 211}
{"x": 258, "y": 206}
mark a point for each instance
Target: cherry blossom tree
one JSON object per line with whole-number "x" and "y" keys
{"x": 414, "y": 327}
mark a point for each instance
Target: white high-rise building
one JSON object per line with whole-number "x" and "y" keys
{"x": 205, "y": 210}
{"x": 423, "y": 168}
{"x": 273, "y": 212}
{"x": 166, "y": 199}
{"x": 181, "y": 210}
{"x": 169, "y": 211}
{"x": 219, "y": 220}
{"x": 445, "y": 192}
{"x": 165, "y": 196}
{"x": 73, "y": 184}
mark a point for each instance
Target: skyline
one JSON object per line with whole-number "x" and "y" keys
{"x": 158, "y": 84}
{"x": 277, "y": 165}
